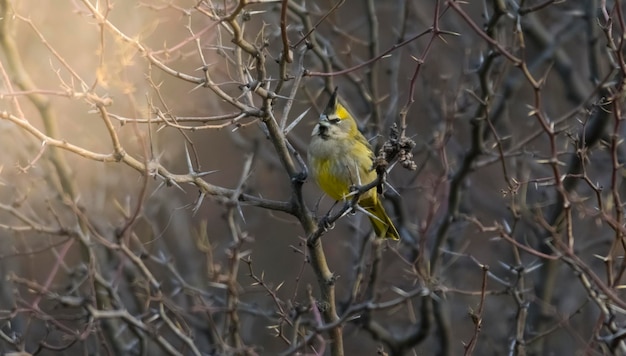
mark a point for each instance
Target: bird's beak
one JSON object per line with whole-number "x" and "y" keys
{"x": 322, "y": 126}
{"x": 324, "y": 120}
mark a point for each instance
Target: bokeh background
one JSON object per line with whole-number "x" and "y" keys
{"x": 511, "y": 221}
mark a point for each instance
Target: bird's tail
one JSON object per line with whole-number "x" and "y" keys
{"x": 382, "y": 224}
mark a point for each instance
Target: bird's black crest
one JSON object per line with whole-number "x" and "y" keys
{"x": 332, "y": 103}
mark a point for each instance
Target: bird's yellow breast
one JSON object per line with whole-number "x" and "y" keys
{"x": 340, "y": 164}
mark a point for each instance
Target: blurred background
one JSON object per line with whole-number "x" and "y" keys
{"x": 145, "y": 209}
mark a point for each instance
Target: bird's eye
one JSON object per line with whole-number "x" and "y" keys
{"x": 334, "y": 120}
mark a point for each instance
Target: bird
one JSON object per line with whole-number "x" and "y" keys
{"x": 340, "y": 157}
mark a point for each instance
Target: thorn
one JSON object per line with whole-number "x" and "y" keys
{"x": 202, "y": 174}
{"x": 188, "y": 158}
{"x": 161, "y": 185}
{"x": 392, "y": 188}
{"x": 201, "y": 85}
{"x": 358, "y": 173}
{"x": 359, "y": 208}
{"x": 296, "y": 121}
{"x": 174, "y": 183}
{"x": 243, "y": 218}
{"x": 196, "y": 207}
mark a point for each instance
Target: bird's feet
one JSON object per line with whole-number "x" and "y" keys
{"x": 326, "y": 224}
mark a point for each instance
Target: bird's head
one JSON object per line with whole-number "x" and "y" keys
{"x": 335, "y": 122}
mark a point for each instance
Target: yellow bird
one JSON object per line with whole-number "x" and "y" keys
{"x": 340, "y": 157}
